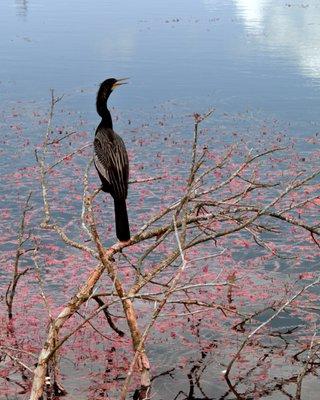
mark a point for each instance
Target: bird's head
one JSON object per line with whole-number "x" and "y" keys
{"x": 107, "y": 86}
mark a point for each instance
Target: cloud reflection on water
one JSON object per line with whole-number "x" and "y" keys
{"x": 291, "y": 31}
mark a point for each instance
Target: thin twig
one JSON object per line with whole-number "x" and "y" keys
{"x": 258, "y": 328}
{"x": 11, "y": 290}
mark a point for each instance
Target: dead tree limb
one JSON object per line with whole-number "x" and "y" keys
{"x": 11, "y": 290}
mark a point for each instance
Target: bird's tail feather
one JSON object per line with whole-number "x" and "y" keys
{"x": 121, "y": 218}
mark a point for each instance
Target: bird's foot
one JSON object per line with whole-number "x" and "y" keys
{"x": 120, "y": 244}
{"x": 125, "y": 243}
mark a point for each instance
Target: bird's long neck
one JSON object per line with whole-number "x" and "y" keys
{"x": 102, "y": 110}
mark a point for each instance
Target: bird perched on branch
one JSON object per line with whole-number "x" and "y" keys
{"x": 111, "y": 159}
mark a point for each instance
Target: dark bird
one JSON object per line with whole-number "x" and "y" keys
{"x": 111, "y": 159}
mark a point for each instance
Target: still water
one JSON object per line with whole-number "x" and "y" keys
{"x": 261, "y": 55}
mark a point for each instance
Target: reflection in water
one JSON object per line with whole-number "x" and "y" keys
{"x": 293, "y": 30}
{"x": 229, "y": 53}
{"x": 252, "y": 11}
{"x": 121, "y": 47}
{"x": 21, "y": 7}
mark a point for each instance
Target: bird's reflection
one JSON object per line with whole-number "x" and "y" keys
{"x": 21, "y": 7}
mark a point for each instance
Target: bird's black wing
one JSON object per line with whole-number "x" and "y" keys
{"x": 111, "y": 161}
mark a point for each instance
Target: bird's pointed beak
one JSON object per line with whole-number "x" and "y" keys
{"x": 119, "y": 83}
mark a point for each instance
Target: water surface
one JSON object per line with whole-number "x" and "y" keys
{"x": 256, "y": 59}
{"x": 256, "y": 54}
